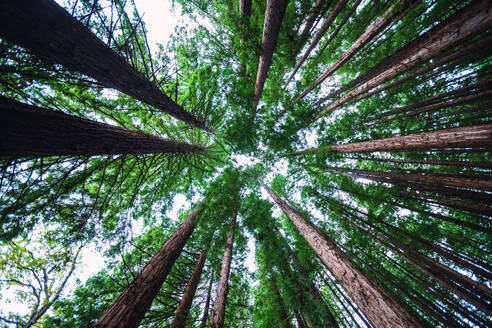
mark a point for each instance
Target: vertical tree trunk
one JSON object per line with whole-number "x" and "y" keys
{"x": 468, "y": 22}
{"x": 245, "y": 8}
{"x": 203, "y": 320}
{"x": 30, "y": 131}
{"x": 375, "y": 303}
{"x": 464, "y": 137}
{"x": 49, "y": 31}
{"x": 131, "y": 305}
{"x": 274, "y": 14}
{"x": 184, "y": 306}
{"x": 373, "y": 30}
{"x": 218, "y": 310}
{"x": 327, "y": 23}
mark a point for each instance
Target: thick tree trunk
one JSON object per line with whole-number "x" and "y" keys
{"x": 374, "y": 29}
{"x": 218, "y": 310}
{"x": 468, "y": 22}
{"x": 184, "y": 306}
{"x": 49, "y": 31}
{"x": 375, "y": 303}
{"x": 465, "y": 137}
{"x": 329, "y": 20}
{"x": 130, "y": 307}
{"x": 30, "y": 131}
{"x": 245, "y": 8}
{"x": 203, "y": 320}
{"x": 274, "y": 14}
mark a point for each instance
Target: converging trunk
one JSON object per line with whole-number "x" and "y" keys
{"x": 30, "y": 131}
{"x": 131, "y": 305}
{"x": 184, "y": 306}
{"x": 49, "y": 31}
{"x": 274, "y": 14}
{"x": 375, "y": 303}
{"x": 218, "y": 310}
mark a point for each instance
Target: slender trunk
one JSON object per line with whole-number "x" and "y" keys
{"x": 204, "y": 318}
{"x": 464, "y": 137}
{"x": 374, "y": 29}
{"x": 131, "y": 305}
{"x": 375, "y": 303}
{"x": 329, "y": 20}
{"x": 184, "y": 306}
{"x": 49, "y": 31}
{"x": 245, "y": 8}
{"x": 484, "y": 165}
{"x": 30, "y": 131}
{"x": 218, "y": 310}
{"x": 468, "y": 22}
{"x": 274, "y": 14}
{"x": 284, "y": 317}
{"x": 315, "y": 12}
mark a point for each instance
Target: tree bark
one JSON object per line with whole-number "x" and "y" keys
{"x": 468, "y": 22}
{"x": 375, "y": 303}
{"x": 131, "y": 305}
{"x": 203, "y": 320}
{"x": 184, "y": 306}
{"x": 218, "y": 310}
{"x": 315, "y": 12}
{"x": 274, "y": 14}
{"x": 374, "y": 29}
{"x": 245, "y": 8}
{"x": 30, "y": 131}
{"x": 464, "y": 137}
{"x": 327, "y": 23}
{"x": 49, "y": 31}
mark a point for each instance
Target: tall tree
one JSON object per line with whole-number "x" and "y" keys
{"x": 30, "y": 131}
{"x": 375, "y": 303}
{"x": 51, "y": 32}
{"x": 130, "y": 306}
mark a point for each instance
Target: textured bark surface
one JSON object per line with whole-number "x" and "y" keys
{"x": 374, "y": 29}
{"x": 218, "y": 310}
{"x": 327, "y": 23}
{"x": 131, "y": 305}
{"x": 33, "y": 131}
{"x": 473, "y": 19}
{"x": 184, "y": 306}
{"x": 49, "y": 31}
{"x": 274, "y": 14}
{"x": 375, "y": 303}
{"x": 245, "y": 7}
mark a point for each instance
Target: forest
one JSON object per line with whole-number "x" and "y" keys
{"x": 276, "y": 163}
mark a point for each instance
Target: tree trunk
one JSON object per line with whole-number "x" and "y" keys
{"x": 468, "y": 22}
{"x": 49, "y": 31}
{"x": 284, "y": 317}
{"x": 184, "y": 306}
{"x": 484, "y": 165}
{"x": 274, "y": 14}
{"x": 203, "y": 320}
{"x": 329, "y": 20}
{"x": 218, "y": 310}
{"x": 245, "y": 8}
{"x": 315, "y": 12}
{"x": 131, "y": 305}
{"x": 30, "y": 131}
{"x": 374, "y": 29}
{"x": 375, "y": 303}
{"x": 464, "y": 137}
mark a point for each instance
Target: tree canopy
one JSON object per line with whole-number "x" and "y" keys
{"x": 276, "y": 164}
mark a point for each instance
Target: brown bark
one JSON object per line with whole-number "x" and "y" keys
{"x": 218, "y": 310}
{"x": 375, "y": 303}
{"x": 49, "y": 31}
{"x": 468, "y": 22}
{"x": 30, "y": 131}
{"x": 245, "y": 8}
{"x": 131, "y": 305}
{"x": 483, "y": 165}
{"x": 315, "y": 12}
{"x": 184, "y": 306}
{"x": 274, "y": 14}
{"x": 374, "y": 29}
{"x": 284, "y": 317}
{"x": 327, "y": 23}
{"x": 464, "y": 137}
